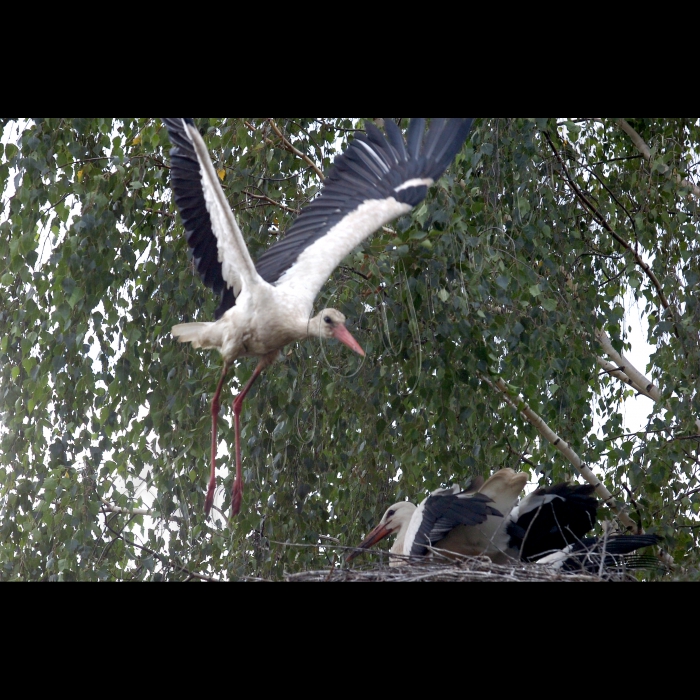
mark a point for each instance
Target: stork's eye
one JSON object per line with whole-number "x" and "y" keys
{"x": 391, "y": 513}
{"x": 327, "y": 319}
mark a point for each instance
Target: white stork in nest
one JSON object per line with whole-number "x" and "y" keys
{"x": 548, "y": 526}
{"x": 269, "y": 303}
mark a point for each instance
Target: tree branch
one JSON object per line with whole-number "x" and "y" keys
{"x": 633, "y": 376}
{"x": 638, "y": 380}
{"x": 563, "y": 447}
{"x": 619, "y": 373}
{"x": 288, "y": 147}
{"x": 265, "y": 198}
{"x": 642, "y": 147}
{"x": 603, "y": 222}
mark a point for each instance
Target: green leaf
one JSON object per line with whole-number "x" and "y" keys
{"x": 501, "y": 271}
{"x": 76, "y": 295}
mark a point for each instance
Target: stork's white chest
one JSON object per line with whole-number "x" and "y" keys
{"x": 260, "y": 323}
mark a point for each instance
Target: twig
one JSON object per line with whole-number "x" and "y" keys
{"x": 353, "y": 271}
{"x": 604, "y": 223}
{"x": 288, "y": 147}
{"x": 639, "y": 434}
{"x": 328, "y": 538}
{"x": 151, "y": 210}
{"x": 522, "y": 457}
{"x": 164, "y": 560}
{"x": 265, "y": 198}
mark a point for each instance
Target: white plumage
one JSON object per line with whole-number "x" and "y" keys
{"x": 268, "y": 304}
{"x": 548, "y": 526}
{"x": 467, "y": 522}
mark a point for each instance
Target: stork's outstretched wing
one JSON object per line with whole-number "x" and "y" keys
{"x": 377, "y": 179}
{"x": 217, "y": 245}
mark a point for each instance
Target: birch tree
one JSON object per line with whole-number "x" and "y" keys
{"x": 496, "y": 320}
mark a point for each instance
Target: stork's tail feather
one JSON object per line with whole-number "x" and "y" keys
{"x": 192, "y": 333}
{"x": 593, "y": 553}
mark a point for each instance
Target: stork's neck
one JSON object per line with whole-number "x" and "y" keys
{"x": 397, "y": 547}
{"x": 312, "y": 327}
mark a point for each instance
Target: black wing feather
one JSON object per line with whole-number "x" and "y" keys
{"x": 437, "y": 127}
{"x": 611, "y": 552}
{"x": 186, "y": 182}
{"x": 357, "y": 176}
{"x": 393, "y": 134}
{"x": 554, "y": 525}
{"x": 451, "y": 143}
{"x": 446, "y": 510}
{"x": 415, "y": 137}
{"x": 381, "y": 146}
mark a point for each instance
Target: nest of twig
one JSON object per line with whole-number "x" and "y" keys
{"x": 462, "y": 569}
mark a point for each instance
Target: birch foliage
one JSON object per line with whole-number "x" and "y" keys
{"x": 545, "y": 238}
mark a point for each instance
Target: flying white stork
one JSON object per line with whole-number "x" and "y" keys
{"x": 547, "y": 526}
{"x": 268, "y": 304}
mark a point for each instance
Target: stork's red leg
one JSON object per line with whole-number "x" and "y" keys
{"x": 237, "y": 490}
{"x": 215, "y": 405}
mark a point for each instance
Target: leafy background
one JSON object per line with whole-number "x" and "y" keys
{"x": 541, "y": 234}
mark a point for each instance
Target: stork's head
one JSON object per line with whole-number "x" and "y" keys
{"x": 330, "y": 323}
{"x": 394, "y": 521}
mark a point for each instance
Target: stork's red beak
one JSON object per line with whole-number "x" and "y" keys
{"x": 342, "y": 334}
{"x": 379, "y": 533}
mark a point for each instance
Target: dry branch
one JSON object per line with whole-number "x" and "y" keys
{"x": 563, "y": 447}
{"x": 471, "y": 569}
{"x": 269, "y": 200}
{"x": 107, "y": 507}
{"x": 632, "y": 375}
